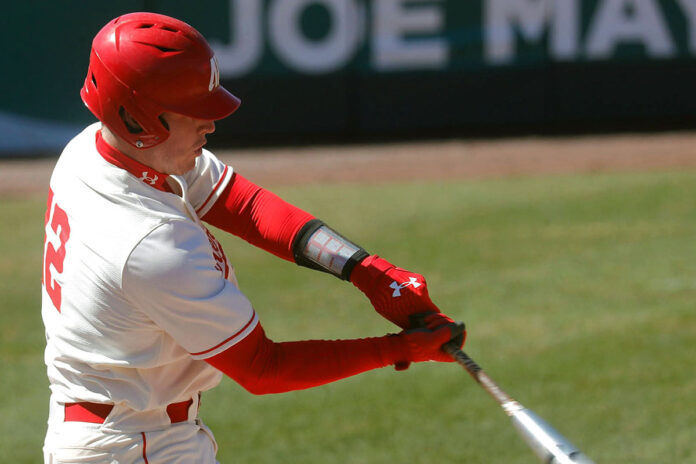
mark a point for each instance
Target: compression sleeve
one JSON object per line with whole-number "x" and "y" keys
{"x": 262, "y": 366}
{"x": 257, "y": 216}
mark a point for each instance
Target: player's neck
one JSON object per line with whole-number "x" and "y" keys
{"x": 124, "y": 147}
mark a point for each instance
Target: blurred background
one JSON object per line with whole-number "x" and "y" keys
{"x": 346, "y": 70}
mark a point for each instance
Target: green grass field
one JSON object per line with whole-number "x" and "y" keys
{"x": 578, "y": 292}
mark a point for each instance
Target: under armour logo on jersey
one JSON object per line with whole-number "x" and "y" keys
{"x": 214, "y": 74}
{"x": 150, "y": 180}
{"x": 412, "y": 281}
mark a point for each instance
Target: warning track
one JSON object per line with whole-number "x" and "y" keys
{"x": 423, "y": 160}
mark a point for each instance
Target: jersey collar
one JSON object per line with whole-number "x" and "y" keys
{"x": 144, "y": 173}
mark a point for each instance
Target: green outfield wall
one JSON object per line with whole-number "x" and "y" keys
{"x": 355, "y": 69}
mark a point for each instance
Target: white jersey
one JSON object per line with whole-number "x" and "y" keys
{"x": 137, "y": 292}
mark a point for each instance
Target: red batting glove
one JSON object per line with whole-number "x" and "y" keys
{"x": 431, "y": 322}
{"x": 394, "y": 292}
{"x": 425, "y": 344}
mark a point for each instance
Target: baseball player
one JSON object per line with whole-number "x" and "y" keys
{"x": 140, "y": 303}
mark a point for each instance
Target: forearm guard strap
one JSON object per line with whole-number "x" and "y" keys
{"x": 317, "y": 246}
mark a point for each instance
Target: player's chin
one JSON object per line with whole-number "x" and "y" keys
{"x": 184, "y": 166}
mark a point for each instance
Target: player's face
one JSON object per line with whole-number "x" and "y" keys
{"x": 177, "y": 154}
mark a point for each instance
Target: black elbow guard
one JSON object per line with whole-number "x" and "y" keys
{"x": 317, "y": 246}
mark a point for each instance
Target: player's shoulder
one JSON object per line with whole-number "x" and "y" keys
{"x": 109, "y": 209}
{"x": 81, "y": 165}
{"x": 97, "y": 185}
{"x": 175, "y": 254}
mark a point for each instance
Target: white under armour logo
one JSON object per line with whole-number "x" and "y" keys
{"x": 150, "y": 180}
{"x": 397, "y": 287}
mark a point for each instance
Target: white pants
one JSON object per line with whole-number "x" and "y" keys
{"x": 79, "y": 442}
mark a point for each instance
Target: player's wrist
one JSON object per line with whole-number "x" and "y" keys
{"x": 368, "y": 272}
{"x": 393, "y": 350}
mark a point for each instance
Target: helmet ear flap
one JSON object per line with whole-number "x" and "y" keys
{"x": 141, "y": 127}
{"x": 133, "y": 126}
{"x": 129, "y": 121}
{"x": 163, "y": 121}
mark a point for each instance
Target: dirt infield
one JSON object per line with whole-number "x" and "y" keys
{"x": 448, "y": 159}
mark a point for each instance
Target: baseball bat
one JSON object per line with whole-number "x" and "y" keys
{"x": 542, "y": 438}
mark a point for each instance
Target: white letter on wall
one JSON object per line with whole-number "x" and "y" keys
{"x": 393, "y": 20}
{"x": 689, "y": 7}
{"x": 503, "y": 17}
{"x": 243, "y": 53}
{"x": 310, "y": 56}
{"x": 628, "y": 21}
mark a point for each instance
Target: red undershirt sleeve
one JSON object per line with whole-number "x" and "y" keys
{"x": 258, "y": 364}
{"x": 257, "y": 216}
{"x": 262, "y": 366}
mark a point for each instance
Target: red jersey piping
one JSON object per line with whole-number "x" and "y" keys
{"x": 253, "y": 317}
{"x": 222, "y": 178}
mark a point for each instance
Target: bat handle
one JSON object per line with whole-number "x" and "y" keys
{"x": 509, "y": 405}
{"x": 462, "y": 358}
{"x": 452, "y": 348}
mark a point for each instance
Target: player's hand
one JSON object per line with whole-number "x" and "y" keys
{"x": 425, "y": 343}
{"x": 394, "y": 292}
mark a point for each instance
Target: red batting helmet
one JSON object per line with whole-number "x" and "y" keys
{"x": 148, "y": 64}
